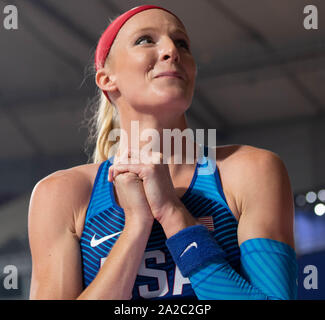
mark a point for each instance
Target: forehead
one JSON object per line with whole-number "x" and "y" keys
{"x": 153, "y": 18}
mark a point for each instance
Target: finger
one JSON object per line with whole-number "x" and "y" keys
{"x": 157, "y": 158}
{"x": 124, "y": 159}
{"x": 128, "y": 155}
{"x": 122, "y": 168}
{"x": 110, "y": 173}
{"x": 153, "y": 157}
{"x": 134, "y": 155}
{"x": 121, "y": 157}
{"x": 118, "y": 169}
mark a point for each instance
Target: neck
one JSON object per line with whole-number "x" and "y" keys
{"x": 173, "y": 139}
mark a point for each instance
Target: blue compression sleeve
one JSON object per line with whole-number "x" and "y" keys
{"x": 268, "y": 272}
{"x": 268, "y": 268}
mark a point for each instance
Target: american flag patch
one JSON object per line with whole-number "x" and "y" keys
{"x": 208, "y": 222}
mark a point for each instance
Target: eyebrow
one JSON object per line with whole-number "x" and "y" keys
{"x": 177, "y": 30}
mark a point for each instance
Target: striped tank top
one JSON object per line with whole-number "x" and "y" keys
{"x": 158, "y": 277}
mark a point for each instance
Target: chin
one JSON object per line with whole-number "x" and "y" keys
{"x": 173, "y": 103}
{"x": 174, "y": 97}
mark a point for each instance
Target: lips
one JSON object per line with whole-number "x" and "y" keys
{"x": 173, "y": 74}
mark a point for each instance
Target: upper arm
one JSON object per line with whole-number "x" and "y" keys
{"x": 265, "y": 197}
{"x": 56, "y": 259}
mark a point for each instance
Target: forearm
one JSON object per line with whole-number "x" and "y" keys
{"x": 219, "y": 281}
{"x": 116, "y": 278}
{"x": 268, "y": 272}
{"x": 176, "y": 218}
{"x": 268, "y": 267}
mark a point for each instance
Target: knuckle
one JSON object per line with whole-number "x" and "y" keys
{"x": 125, "y": 178}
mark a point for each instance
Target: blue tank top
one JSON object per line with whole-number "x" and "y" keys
{"x": 158, "y": 276}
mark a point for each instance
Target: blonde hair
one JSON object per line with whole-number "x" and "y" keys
{"x": 104, "y": 119}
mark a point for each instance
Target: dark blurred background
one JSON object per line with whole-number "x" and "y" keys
{"x": 260, "y": 82}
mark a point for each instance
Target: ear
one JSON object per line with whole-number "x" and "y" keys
{"x": 105, "y": 81}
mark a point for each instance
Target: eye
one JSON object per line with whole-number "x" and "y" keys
{"x": 144, "y": 39}
{"x": 182, "y": 43}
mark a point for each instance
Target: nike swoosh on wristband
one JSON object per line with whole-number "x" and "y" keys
{"x": 193, "y": 244}
{"x": 95, "y": 242}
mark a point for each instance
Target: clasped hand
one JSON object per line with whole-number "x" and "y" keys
{"x": 146, "y": 189}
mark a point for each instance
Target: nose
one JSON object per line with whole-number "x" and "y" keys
{"x": 169, "y": 51}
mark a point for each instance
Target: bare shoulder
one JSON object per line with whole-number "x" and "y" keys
{"x": 259, "y": 184}
{"x": 82, "y": 173}
{"x": 242, "y": 167}
{"x": 70, "y": 189}
{"x": 229, "y": 153}
{"x": 241, "y": 160}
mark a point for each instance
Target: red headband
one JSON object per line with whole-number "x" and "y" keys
{"x": 107, "y": 38}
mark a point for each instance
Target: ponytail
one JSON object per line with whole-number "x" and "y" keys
{"x": 100, "y": 125}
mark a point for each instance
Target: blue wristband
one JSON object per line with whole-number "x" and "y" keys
{"x": 192, "y": 248}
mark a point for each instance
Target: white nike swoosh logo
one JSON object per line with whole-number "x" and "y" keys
{"x": 95, "y": 242}
{"x": 193, "y": 244}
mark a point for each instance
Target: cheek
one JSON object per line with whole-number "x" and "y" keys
{"x": 141, "y": 62}
{"x": 136, "y": 69}
{"x": 191, "y": 69}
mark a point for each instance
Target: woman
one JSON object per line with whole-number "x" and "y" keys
{"x": 116, "y": 229}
